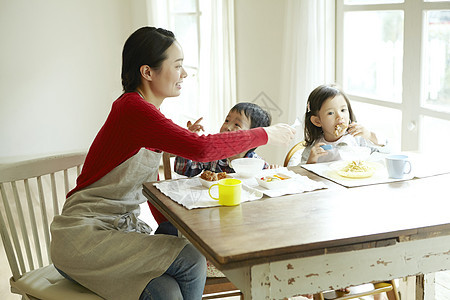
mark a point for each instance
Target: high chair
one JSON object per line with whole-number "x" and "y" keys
{"x": 217, "y": 285}
{"x": 32, "y": 192}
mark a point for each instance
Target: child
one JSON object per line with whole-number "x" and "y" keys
{"x": 329, "y": 119}
{"x": 242, "y": 116}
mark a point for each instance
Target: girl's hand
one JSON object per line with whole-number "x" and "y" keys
{"x": 274, "y": 166}
{"x": 356, "y": 129}
{"x": 359, "y": 130}
{"x": 196, "y": 127}
{"x": 316, "y": 152}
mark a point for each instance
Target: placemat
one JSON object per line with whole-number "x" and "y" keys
{"x": 329, "y": 171}
{"x": 190, "y": 193}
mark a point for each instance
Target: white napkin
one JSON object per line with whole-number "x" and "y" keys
{"x": 191, "y": 193}
{"x": 328, "y": 171}
{"x": 299, "y": 184}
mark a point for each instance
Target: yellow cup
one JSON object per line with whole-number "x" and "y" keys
{"x": 229, "y": 191}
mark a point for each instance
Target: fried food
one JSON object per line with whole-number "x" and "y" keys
{"x": 339, "y": 129}
{"x": 212, "y": 176}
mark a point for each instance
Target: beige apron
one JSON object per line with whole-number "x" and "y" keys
{"x": 99, "y": 241}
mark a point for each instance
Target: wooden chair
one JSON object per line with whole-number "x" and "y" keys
{"x": 215, "y": 287}
{"x": 388, "y": 287}
{"x": 294, "y": 149}
{"x": 167, "y": 169}
{"x": 32, "y": 193}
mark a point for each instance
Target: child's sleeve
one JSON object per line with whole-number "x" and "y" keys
{"x": 187, "y": 167}
{"x": 305, "y": 155}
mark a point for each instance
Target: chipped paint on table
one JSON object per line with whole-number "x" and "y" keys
{"x": 293, "y": 277}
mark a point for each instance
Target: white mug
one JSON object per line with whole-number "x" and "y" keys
{"x": 398, "y": 165}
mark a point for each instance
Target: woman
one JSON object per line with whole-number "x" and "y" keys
{"x": 98, "y": 241}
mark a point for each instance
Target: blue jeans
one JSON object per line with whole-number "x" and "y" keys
{"x": 184, "y": 279}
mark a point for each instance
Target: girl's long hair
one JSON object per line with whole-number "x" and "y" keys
{"x": 315, "y": 100}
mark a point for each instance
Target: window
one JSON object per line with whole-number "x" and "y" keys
{"x": 183, "y": 18}
{"x": 437, "y": 60}
{"x": 393, "y": 61}
{"x": 205, "y": 30}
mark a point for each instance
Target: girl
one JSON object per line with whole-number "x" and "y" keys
{"x": 329, "y": 119}
{"x": 98, "y": 240}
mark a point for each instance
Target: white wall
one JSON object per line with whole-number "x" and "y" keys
{"x": 60, "y": 68}
{"x": 60, "y": 71}
{"x": 259, "y": 41}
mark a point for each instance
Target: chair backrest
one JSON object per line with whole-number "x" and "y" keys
{"x": 295, "y": 148}
{"x": 167, "y": 165}
{"x": 32, "y": 192}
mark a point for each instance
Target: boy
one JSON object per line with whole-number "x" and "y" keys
{"x": 242, "y": 116}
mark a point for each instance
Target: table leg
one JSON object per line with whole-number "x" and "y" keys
{"x": 253, "y": 281}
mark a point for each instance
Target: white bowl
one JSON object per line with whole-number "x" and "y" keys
{"x": 247, "y": 167}
{"x": 350, "y": 153}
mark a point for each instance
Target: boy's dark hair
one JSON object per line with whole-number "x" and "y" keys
{"x": 146, "y": 46}
{"x": 258, "y": 116}
{"x": 315, "y": 100}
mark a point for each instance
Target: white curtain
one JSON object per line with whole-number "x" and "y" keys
{"x": 217, "y": 70}
{"x": 308, "y": 54}
{"x": 157, "y": 12}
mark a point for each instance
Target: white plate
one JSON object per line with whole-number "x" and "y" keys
{"x": 339, "y": 165}
{"x": 207, "y": 184}
{"x": 276, "y": 184}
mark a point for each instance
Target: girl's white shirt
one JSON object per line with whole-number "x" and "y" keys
{"x": 333, "y": 154}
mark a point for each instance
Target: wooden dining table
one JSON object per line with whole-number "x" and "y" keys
{"x": 330, "y": 238}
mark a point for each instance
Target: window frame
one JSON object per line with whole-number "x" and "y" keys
{"x": 410, "y": 107}
{"x": 184, "y": 107}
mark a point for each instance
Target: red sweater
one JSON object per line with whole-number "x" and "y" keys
{"x": 133, "y": 123}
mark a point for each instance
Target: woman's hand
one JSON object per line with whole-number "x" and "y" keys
{"x": 316, "y": 152}
{"x": 196, "y": 127}
{"x": 279, "y": 134}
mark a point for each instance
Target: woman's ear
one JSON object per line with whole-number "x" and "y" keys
{"x": 316, "y": 121}
{"x": 146, "y": 72}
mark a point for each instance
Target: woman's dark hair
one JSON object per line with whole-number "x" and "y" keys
{"x": 315, "y": 100}
{"x": 257, "y": 115}
{"x": 146, "y": 46}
